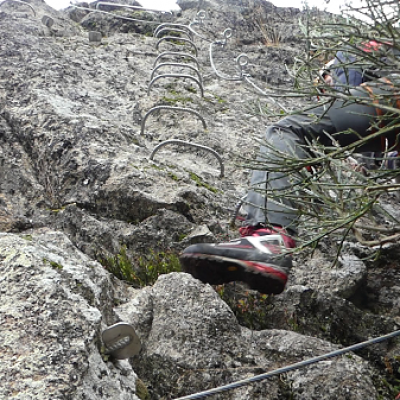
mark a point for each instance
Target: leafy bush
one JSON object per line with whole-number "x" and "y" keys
{"x": 338, "y": 201}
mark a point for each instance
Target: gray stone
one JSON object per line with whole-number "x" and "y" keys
{"x": 193, "y": 341}
{"x": 200, "y": 235}
{"x": 187, "y": 4}
{"x": 55, "y": 301}
{"x": 342, "y": 279}
{"x": 77, "y": 186}
{"x": 95, "y": 37}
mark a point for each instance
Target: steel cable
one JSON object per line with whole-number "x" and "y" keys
{"x": 301, "y": 364}
{"x": 91, "y": 10}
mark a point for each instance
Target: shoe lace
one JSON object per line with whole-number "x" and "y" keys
{"x": 261, "y": 231}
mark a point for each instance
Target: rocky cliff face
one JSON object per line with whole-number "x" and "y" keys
{"x": 77, "y": 185}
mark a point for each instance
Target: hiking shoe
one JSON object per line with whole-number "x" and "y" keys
{"x": 256, "y": 259}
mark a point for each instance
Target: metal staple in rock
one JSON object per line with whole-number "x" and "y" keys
{"x": 20, "y": 2}
{"x": 187, "y": 29}
{"x": 172, "y": 30}
{"x": 172, "y": 64}
{"x": 176, "y": 54}
{"x": 105, "y": 3}
{"x": 170, "y": 108}
{"x": 170, "y": 25}
{"x": 241, "y": 62}
{"x": 262, "y": 93}
{"x": 201, "y": 15}
{"x": 176, "y": 76}
{"x": 301, "y": 364}
{"x": 189, "y": 144}
{"x": 179, "y": 39}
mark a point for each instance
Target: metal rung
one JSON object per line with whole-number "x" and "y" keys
{"x": 169, "y": 38}
{"x": 176, "y": 76}
{"x": 171, "y": 26}
{"x": 182, "y": 65}
{"x": 172, "y": 30}
{"x": 176, "y": 54}
{"x": 170, "y": 108}
{"x": 188, "y": 144}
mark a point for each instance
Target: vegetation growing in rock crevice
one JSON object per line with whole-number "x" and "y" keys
{"x": 143, "y": 270}
{"x": 249, "y": 308}
{"x": 199, "y": 182}
{"x": 176, "y": 100}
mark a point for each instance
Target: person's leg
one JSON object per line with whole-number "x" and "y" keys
{"x": 258, "y": 258}
{"x": 286, "y": 139}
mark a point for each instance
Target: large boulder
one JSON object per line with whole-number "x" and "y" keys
{"x": 192, "y": 342}
{"x": 55, "y": 303}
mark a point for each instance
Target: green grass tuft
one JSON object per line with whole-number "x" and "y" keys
{"x": 143, "y": 271}
{"x": 200, "y": 182}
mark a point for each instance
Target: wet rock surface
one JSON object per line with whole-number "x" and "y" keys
{"x": 77, "y": 185}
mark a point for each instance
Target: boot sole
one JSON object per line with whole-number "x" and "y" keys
{"x": 216, "y": 270}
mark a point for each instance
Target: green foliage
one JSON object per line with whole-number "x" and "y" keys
{"x": 171, "y": 87}
{"x": 141, "y": 390}
{"x": 56, "y": 210}
{"x": 156, "y": 264}
{"x": 339, "y": 202}
{"x": 103, "y": 352}
{"x": 176, "y": 99}
{"x": 191, "y": 89}
{"x": 143, "y": 15}
{"x": 200, "y": 182}
{"x": 250, "y": 309}
{"x": 144, "y": 270}
{"x": 157, "y": 167}
{"x": 53, "y": 264}
{"x": 390, "y": 386}
{"x": 162, "y": 168}
{"x": 174, "y": 33}
{"x": 219, "y": 99}
{"x": 173, "y": 176}
{"x": 181, "y": 237}
{"x": 177, "y": 42}
{"x": 392, "y": 380}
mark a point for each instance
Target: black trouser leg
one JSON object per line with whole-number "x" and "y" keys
{"x": 289, "y": 136}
